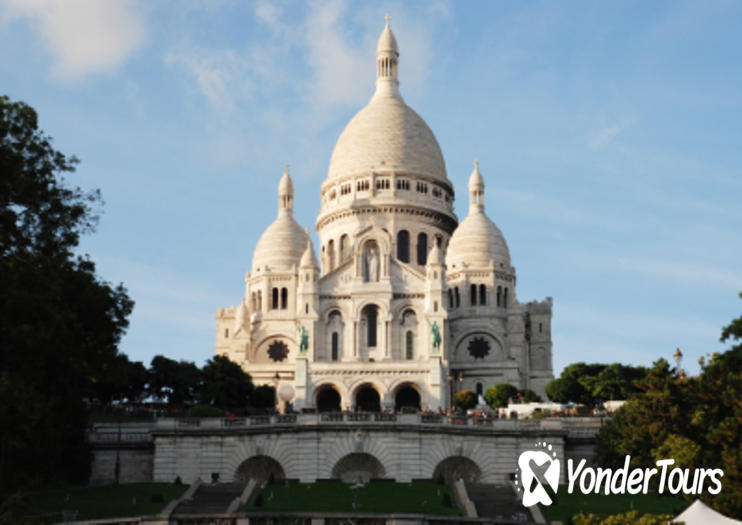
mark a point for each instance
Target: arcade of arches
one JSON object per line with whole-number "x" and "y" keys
{"x": 368, "y": 398}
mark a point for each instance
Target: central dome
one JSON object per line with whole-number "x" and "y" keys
{"x": 387, "y": 135}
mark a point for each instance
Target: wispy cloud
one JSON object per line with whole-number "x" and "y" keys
{"x": 221, "y": 76}
{"x": 607, "y": 134}
{"x": 84, "y": 36}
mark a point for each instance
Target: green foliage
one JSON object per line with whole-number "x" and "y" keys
{"x": 465, "y": 399}
{"x": 627, "y": 518}
{"x": 588, "y": 383}
{"x": 60, "y": 323}
{"x": 225, "y": 384}
{"x": 177, "y": 382}
{"x": 498, "y": 395}
{"x": 204, "y": 411}
{"x": 697, "y": 421}
{"x": 529, "y": 396}
{"x": 264, "y": 397}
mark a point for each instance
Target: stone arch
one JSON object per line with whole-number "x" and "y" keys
{"x": 458, "y": 467}
{"x": 327, "y": 398}
{"x": 260, "y": 354}
{"x": 495, "y": 352}
{"x": 358, "y": 467}
{"x": 407, "y": 395}
{"x": 367, "y": 397}
{"x": 260, "y": 468}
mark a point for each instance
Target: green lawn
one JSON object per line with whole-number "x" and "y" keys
{"x": 420, "y": 497}
{"x": 567, "y": 505}
{"x": 108, "y": 501}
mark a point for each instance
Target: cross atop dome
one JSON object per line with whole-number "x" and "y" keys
{"x": 387, "y": 54}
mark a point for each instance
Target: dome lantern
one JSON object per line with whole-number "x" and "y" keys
{"x": 387, "y": 55}
{"x": 286, "y": 193}
{"x": 476, "y": 189}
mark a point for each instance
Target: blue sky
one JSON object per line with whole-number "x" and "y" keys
{"x": 608, "y": 134}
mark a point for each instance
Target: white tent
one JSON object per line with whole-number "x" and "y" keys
{"x": 699, "y": 514}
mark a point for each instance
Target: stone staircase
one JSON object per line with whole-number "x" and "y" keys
{"x": 210, "y": 498}
{"x": 497, "y": 501}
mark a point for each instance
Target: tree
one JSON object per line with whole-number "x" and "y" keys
{"x": 177, "y": 382}
{"x": 529, "y": 396}
{"x": 60, "y": 324}
{"x": 499, "y": 395}
{"x": 594, "y": 382}
{"x": 465, "y": 399}
{"x": 264, "y": 397}
{"x": 225, "y": 385}
{"x": 696, "y": 421}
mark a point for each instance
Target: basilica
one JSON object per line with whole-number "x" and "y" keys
{"x": 405, "y": 305}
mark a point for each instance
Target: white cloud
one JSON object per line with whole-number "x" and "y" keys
{"x": 607, "y": 134}
{"x": 84, "y": 36}
{"x": 221, "y": 76}
{"x": 267, "y": 12}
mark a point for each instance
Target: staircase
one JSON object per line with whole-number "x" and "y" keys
{"x": 497, "y": 501}
{"x": 211, "y": 498}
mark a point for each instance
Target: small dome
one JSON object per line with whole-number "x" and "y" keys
{"x": 308, "y": 258}
{"x": 387, "y": 42}
{"x": 477, "y": 241}
{"x": 281, "y": 245}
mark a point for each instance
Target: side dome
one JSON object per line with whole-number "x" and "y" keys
{"x": 477, "y": 240}
{"x": 283, "y": 242}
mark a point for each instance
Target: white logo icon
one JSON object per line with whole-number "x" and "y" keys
{"x": 538, "y": 470}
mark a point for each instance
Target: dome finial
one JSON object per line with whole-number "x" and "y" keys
{"x": 387, "y": 54}
{"x": 285, "y": 192}
{"x": 476, "y": 189}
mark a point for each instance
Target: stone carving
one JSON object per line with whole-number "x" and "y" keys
{"x": 436, "y": 332}
{"x": 479, "y": 348}
{"x": 303, "y": 339}
{"x": 278, "y": 351}
{"x": 371, "y": 260}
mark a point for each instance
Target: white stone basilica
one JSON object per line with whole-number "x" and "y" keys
{"x": 409, "y": 305}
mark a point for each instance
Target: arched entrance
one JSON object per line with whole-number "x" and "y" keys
{"x": 358, "y": 467}
{"x": 406, "y": 399}
{"x": 367, "y": 399}
{"x": 261, "y": 468}
{"x": 458, "y": 467}
{"x": 328, "y": 400}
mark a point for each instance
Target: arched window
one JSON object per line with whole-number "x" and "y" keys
{"x": 482, "y": 294}
{"x": 226, "y": 332}
{"x": 274, "y": 303}
{"x": 403, "y": 246}
{"x": 458, "y": 297}
{"x": 438, "y": 240}
{"x": 473, "y": 294}
{"x": 260, "y": 300}
{"x": 370, "y": 316}
{"x": 505, "y": 298}
{"x": 450, "y": 298}
{"x": 499, "y": 296}
{"x": 479, "y": 389}
{"x": 435, "y": 306}
{"x": 331, "y": 255}
{"x": 284, "y": 298}
{"x": 422, "y": 249}
{"x": 541, "y": 328}
{"x": 335, "y": 346}
{"x": 344, "y": 248}
{"x": 306, "y": 308}
{"x": 409, "y": 340}
{"x": 253, "y": 302}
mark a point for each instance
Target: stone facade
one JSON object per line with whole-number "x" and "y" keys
{"x": 408, "y": 305}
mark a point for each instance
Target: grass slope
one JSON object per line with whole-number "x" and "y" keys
{"x": 420, "y": 497}
{"x": 108, "y": 501}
